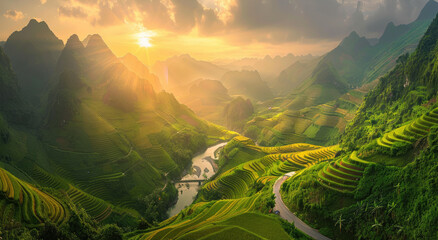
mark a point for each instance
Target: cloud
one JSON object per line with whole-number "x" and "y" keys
{"x": 73, "y": 12}
{"x": 285, "y": 20}
{"x": 88, "y": 2}
{"x": 187, "y": 14}
{"x": 274, "y": 21}
{"x": 114, "y": 13}
{"x": 210, "y": 23}
{"x": 43, "y": 1}
{"x": 154, "y": 14}
{"x": 397, "y": 11}
{"x": 14, "y": 15}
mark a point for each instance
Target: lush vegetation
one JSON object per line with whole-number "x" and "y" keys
{"x": 100, "y": 160}
{"x": 93, "y": 147}
{"x": 384, "y": 185}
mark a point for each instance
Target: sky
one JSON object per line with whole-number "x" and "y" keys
{"x": 211, "y": 29}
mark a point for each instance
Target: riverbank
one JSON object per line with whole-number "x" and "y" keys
{"x": 205, "y": 167}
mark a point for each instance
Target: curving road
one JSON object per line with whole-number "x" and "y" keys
{"x": 290, "y": 217}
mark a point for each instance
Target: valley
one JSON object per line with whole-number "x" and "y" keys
{"x": 211, "y": 128}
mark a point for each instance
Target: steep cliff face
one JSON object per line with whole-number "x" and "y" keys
{"x": 11, "y": 104}
{"x": 34, "y": 51}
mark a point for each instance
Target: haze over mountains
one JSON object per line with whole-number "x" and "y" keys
{"x": 95, "y": 116}
{"x": 324, "y": 89}
{"x": 99, "y": 146}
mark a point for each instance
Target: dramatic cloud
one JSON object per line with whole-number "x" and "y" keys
{"x": 14, "y": 15}
{"x": 74, "y": 12}
{"x": 243, "y": 21}
{"x": 397, "y": 11}
{"x": 187, "y": 14}
{"x": 88, "y": 2}
{"x": 284, "y": 20}
{"x": 154, "y": 14}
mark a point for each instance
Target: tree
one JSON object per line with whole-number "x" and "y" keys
{"x": 49, "y": 232}
{"x": 111, "y": 232}
{"x": 339, "y": 222}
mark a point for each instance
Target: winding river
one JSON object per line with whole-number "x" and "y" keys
{"x": 202, "y": 167}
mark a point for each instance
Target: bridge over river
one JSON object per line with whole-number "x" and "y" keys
{"x": 199, "y": 181}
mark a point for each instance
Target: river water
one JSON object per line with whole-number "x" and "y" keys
{"x": 201, "y": 168}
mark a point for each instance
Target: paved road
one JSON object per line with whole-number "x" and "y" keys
{"x": 290, "y": 217}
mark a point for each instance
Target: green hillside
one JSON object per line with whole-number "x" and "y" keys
{"x": 317, "y": 110}
{"x": 235, "y": 203}
{"x": 321, "y": 124}
{"x": 91, "y": 148}
{"x": 107, "y": 141}
{"x": 383, "y": 187}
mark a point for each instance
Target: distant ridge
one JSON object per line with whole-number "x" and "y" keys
{"x": 429, "y": 11}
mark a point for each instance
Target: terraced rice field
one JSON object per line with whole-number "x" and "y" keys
{"x": 411, "y": 132}
{"x": 34, "y": 205}
{"x": 205, "y": 214}
{"x": 237, "y": 181}
{"x": 343, "y": 175}
{"x": 296, "y": 161}
{"x": 159, "y": 158}
{"x": 298, "y": 147}
{"x": 95, "y": 207}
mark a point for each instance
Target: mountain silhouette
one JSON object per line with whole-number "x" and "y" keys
{"x": 34, "y": 51}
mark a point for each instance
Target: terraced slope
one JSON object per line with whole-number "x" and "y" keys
{"x": 25, "y": 203}
{"x": 297, "y": 147}
{"x": 95, "y": 207}
{"x": 211, "y": 218}
{"x": 295, "y": 161}
{"x": 236, "y": 182}
{"x": 411, "y": 132}
{"x": 343, "y": 175}
{"x": 276, "y": 124}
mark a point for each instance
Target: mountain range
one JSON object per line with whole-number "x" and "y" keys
{"x": 333, "y": 85}
{"x": 105, "y": 136}
{"x": 94, "y": 146}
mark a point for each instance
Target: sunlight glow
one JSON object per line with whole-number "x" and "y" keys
{"x": 144, "y": 39}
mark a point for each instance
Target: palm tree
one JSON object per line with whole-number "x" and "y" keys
{"x": 339, "y": 222}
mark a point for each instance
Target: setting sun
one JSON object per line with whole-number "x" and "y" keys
{"x": 213, "y": 119}
{"x": 144, "y": 39}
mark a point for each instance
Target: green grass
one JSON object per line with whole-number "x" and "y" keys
{"x": 232, "y": 232}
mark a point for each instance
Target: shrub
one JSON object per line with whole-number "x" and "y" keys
{"x": 111, "y": 232}
{"x": 400, "y": 148}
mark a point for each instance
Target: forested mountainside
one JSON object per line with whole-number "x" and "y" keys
{"x": 334, "y": 87}
{"x": 379, "y": 183}
{"x": 98, "y": 151}
{"x": 384, "y": 184}
{"x": 104, "y": 142}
